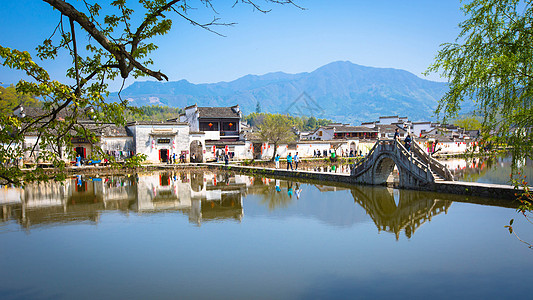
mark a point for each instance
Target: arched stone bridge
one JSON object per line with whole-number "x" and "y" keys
{"x": 416, "y": 168}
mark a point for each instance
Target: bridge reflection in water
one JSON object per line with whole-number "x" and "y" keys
{"x": 398, "y": 210}
{"x": 203, "y": 198}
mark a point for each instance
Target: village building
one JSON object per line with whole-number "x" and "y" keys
{"x": 338, "y": 131}
{"x": 388, "y": 131}
{"x": 204, "y": 134}
{"x": 218, "y": 123}
{"x": 161, "y": 141}
{"x": 419, "y": 127}
{"x": 217, "y": 131}
{"x": 433, "y": 137}
{"x": 111, "y": 139}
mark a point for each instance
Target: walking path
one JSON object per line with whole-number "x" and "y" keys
{"x": 499, "y": 191}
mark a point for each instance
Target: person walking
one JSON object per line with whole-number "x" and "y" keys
{"x": 276, "y": 160}
{"x": 289, "y": 161}
{"x": 407, "y": 142}
{"x": 396, "y": 134}
{"x": 296, "y": 161}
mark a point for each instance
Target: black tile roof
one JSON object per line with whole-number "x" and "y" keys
{"x": 343, "y": 128}
{"x": 390, "y": 128}
{"x": 218, "y": 112}
{"x": 167, "y": 123}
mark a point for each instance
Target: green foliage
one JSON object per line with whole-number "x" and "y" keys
{"x": 277, "y": 129}
{"x": 116, "y": 43}
{"x": 135, "y": 160}
{"x": 10, "y": 98}
{"x": 468, "y": 123}
{"x": 525, "y": 196}
{"x": 491, "y": 62}
{"x": 153, "y": 113}
{"x": 301, "y": 123}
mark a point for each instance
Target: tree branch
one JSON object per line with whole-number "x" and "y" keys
{"x": 117, "y": 50}
{"x": 76, "y": 67}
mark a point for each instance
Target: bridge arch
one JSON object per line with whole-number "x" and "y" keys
{"x": 384, "y": 167}
{"x": 416, "y": 168}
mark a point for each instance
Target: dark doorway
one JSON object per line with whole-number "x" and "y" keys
{"x": 81, "y": 151}
{"x": 163, "y": 155}
{"x": 257, "y": 150}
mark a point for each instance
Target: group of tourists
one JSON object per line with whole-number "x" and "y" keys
{"x": 407, "y": 141}
{"x": 290, "y": 160}
{"x": 173, "y": 159}
{"x": 343, "y": 153}
{"x": 319, "y": 154}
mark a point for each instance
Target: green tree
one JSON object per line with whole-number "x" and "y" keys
{"x": 491, "y": 62}
{"x": 276, "y": 129}
{"x": 258, "y": 107}
{"x": 10, "y": 98}
{"x": 116, "y": 43}
{"x": 468, "y": 123}
{"x": 153, "y": 113}
{"x": 302, "y": 123}
{"x": 311, "y": 124}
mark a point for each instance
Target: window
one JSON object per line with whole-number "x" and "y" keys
{"x": 208, "y": 126}
{"x": 229, "y": 126}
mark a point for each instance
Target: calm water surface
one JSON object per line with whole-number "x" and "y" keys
{"x": 205, "y": 236}
{"x": 487, "y": 169}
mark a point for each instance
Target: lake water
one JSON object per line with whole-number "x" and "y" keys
{"x": 487, "y": 169}
{"x": 188, "y": 235}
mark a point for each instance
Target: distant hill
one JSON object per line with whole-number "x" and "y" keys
{"x": 341, "y": 91}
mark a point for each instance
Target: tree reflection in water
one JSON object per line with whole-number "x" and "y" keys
{"x": 274, "y": 192}
{"x": 204, "y": 197}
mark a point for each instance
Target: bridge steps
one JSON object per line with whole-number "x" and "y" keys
{"x": 437, "y": 177}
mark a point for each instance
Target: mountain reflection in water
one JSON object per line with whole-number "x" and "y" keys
{"x": 205, "y": 197}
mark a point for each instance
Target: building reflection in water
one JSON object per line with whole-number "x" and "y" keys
{"x": 83, "y": 198}
{"x": 203, "y": 197}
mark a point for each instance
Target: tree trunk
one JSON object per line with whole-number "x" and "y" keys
{"x": 275, "y": 151}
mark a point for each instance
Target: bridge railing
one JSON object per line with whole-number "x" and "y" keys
{"x": 413, "y": 159}
{"x": 396, "y": 146}
{"x": 369, "y": 154}
{"x": 435, "y": 165}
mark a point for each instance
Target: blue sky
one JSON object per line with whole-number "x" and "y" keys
{"x": 378, "y": 33}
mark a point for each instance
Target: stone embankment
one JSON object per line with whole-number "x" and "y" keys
{"x": 497, "y": 191}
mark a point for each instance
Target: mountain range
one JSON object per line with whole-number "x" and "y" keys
{"x": 341, "y": 91}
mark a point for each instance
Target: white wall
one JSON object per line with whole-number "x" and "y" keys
{"x": 327, "y": 134}
{"x": 146, "y": 143}
{"x": 191, "y": 116}
{"x": 449, "y": 147}
{"x": 417, "y": 128}
{"x": 388, "y": 121}
{"x": 212, "y": 135}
